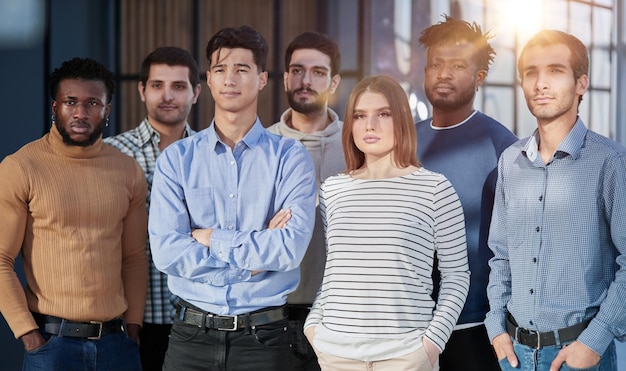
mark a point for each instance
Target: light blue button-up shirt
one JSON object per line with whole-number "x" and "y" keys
{"x": 200, "y": 182}
{"x": 558, "y": 234}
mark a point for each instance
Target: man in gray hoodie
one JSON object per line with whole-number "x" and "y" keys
{"x": 312, "y": 63}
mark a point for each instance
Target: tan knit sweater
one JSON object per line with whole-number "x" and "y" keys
{"x": 78, "y": 216}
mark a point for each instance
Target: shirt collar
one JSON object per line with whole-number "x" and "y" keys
{"x": 571, "y": 144}
{"x": 147, "y": 133}
{"x": 250, "y": 139}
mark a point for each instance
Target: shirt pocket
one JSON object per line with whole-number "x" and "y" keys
{"x": 201, "y": 206}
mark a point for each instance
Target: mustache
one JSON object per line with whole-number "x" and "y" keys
{"x": 307, "y": 90}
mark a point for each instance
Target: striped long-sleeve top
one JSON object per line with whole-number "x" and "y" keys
{"x": 382, "y": 236}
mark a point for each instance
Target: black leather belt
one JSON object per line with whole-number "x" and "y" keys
{"x": 538, "y": 340}
{"x": 92, "y": 330}
{"x": 194, "y": 316}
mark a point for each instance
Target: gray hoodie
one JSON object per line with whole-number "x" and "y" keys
{"x": 326, "y": 150}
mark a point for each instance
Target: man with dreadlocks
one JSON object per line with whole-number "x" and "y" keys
{"x": 464, "y": 145}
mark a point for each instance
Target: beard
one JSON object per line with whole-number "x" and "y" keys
{"x": 465, "y": 97}
{"x": 67, "y": 139}
{"x": 305, "y": 107}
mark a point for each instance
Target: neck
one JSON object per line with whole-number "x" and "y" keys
{"x": 444, "y": 118}
{"x": 309, "y": 122}
{"x": 232, "y": 127}
{"x": 551, "y": 134}
{"x": 168, "y": 134}
{"x": 381, "y": 168}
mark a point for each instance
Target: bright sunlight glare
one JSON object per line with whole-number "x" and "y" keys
{"x": 523, "y": 17}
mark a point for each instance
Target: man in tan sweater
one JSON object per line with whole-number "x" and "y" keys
{"x": 75, "y": 208}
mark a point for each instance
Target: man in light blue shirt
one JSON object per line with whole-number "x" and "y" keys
{"x": 558, "y": 275}
{"x": 232, "y": 213}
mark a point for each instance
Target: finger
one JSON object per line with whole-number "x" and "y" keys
{"x": 558, "y": 361}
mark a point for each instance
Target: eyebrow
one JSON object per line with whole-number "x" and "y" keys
{"x": 221, "y": 65}
{"x": 314, "y": 67}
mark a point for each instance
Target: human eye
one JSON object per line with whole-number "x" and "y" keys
{"x": 69, "y": 102}
{"x": 319, "y": 73}
{"x": 296, "y": 71}
{"x": 156, "y": 85}
{"x": 385, "y": 114}
{"x": 180, "y": 86}
{"x": 358, "y": 116}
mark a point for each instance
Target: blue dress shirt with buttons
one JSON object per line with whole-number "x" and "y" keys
{"x": 558, "y": 234}
{"x": 200, "y": 182}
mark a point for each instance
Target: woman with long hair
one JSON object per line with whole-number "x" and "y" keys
{"x": 385, "y": 219}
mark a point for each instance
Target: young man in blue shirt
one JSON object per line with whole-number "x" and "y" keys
{"x": 558, "y": 275}
{"x": 216, "y": 197}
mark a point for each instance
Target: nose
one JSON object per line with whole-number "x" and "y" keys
{"x": 167, "y": 94}
{"x": 444, "y": 72}
{"x": 229, "y": 78}
{"x": 371, "y": 122}
{"x": 81, "y": 110}
{"x": 542, "y": 82}
{"x": 306, "y": 78}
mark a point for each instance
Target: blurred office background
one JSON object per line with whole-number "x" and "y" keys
{"x": 375, "y": 36}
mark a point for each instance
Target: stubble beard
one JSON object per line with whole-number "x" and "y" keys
{"x": 304, "y": 107}
{"x": 67, "y": 139}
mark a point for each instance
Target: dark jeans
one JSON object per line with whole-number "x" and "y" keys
{"x": 469, "y": 350}
{"x": 265, "y": 347}
{"x": 153, "y": 340}
{"x": 306, "y": 360}
{"x": 114, "y": 352}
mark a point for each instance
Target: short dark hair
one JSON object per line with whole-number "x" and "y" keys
{"x": 82, "y": 69}
{"x": 579, "y": 56}
{"x": 244, "y": 37}
{"x": 320, "y": 42}
{"x": 171, "y": 56}
{"x": 452, "y": 30}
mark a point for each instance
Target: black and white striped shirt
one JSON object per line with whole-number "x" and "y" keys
{"x": 382, "y": 236}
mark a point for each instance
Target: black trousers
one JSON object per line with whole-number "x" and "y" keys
{"x": 262, "y": 348}
{"x": 469, "y": 350}
{"x": 153, "y": 339}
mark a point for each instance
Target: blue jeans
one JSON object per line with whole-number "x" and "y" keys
{"x": 114, "y": 352}
{"x": 531, "y": 359}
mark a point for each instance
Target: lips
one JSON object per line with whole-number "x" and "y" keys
{"x": 370, "y": 139}
{"x": 230, "y": 94}
{"x": 80, "y": 127}
{"x": 443, "y": 88}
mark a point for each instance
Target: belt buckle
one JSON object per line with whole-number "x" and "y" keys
{"x": 234, "y": 328}
{"x": 99, "y": 330}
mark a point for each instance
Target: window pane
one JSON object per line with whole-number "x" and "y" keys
{"x": 555, "y": 14}
{"x": 602, "y": 27}
{"x": 600, "y": 120}
{"x": 503, "y": 69}
{"x": 600, "y": 68}
{"x": 498, "y": 103}
{"x": 579, "y": 24}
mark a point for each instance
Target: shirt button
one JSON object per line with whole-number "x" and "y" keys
{"x": 531, "y": 323}
{"x": 532, "y": 291}
{"x": 232, "y": 162}
{"x": 540, "y": 198}
{"x": 239, "y": 277}
{"x": 534, "y": 260}
{"x": 231, "y": 195}
{"x": 537, "y": 229}
{"x": 230, "y": 227}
